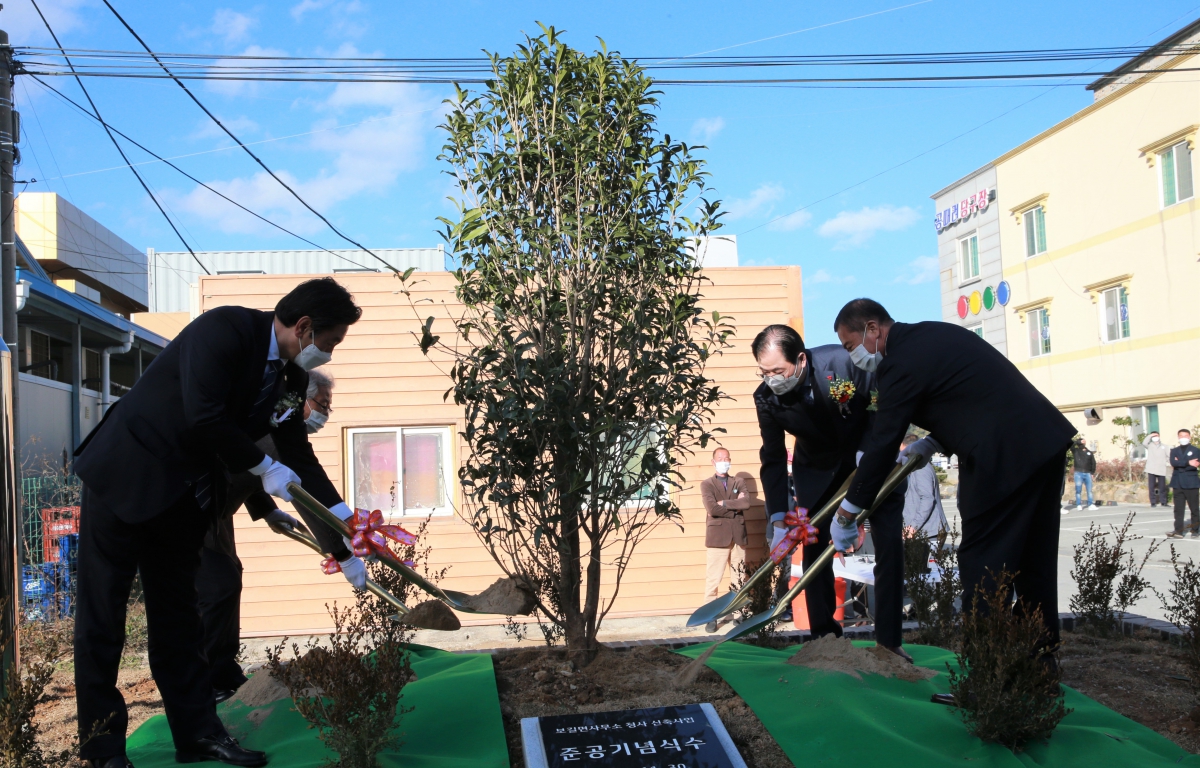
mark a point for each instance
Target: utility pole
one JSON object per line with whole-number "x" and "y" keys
{"x": 10, "y": 490}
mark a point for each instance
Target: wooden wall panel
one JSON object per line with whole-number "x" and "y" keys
{"x": 383, "y": 379}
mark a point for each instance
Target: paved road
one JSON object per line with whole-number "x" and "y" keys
{"x": 1149, "y": 523}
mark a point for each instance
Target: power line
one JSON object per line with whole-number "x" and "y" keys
{"x": 216, "y": 192}
{"x": 248, "y": 151}
{"x": 116, "y": 144}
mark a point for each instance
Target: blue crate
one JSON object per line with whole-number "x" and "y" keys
{"x": 39, "y": 593}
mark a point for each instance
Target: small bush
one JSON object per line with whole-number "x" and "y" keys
{"x": 1108, "y": 577}
{"x": 932, "y": 601}
{"x": 760, "y": 599}
{"x": 1182, "y": 607}
{"x": 1006, "y": 691}
{"x": 1117, "y": 470}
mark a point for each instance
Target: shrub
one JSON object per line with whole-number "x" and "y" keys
{"x": 1007, "y": 686}
{"x": 932, "y": 601}
{"x": 1107, "y": 576}
{"x": 760, "y": 598}
{"x": 1182, "y": 607}
{"x": 1119, "y": 470}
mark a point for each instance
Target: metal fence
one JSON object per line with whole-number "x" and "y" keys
{"x": 49, "y": 545}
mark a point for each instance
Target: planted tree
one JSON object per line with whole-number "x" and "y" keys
{"x": 1108, "y": 577}
{"x": 581, "y": 347}
{"x": 932, "y": 595}
{"x": 1182, "y": 607}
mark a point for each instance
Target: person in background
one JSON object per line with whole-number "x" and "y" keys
{"x": 725, "y": 500}
{"x": 1185, "y": 458}
{"x": 1085, "y": 468}
{"x": 1158, "y": 459}
{"x": 923, "y": 500}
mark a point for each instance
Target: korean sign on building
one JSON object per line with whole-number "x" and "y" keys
{"x": 963, "y": 210}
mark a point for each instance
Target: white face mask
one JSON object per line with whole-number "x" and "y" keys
{"x": 723, "y": 467}
{"x": 781, "y": 384}
{"x": 311, "y": 357}
{"x": 1184, "y": 441}
{"x": 315, "y": 421}
{"x": 867, "y": 361}
{"x": 1154, "y": 439}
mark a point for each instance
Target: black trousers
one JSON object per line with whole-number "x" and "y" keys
{"x": 166, "y": 552}
{"x": 1158, "y": 489}
{"x": 219, "y": 589}
{"x": 1018, "y": 534}
{"x": 887, "y": 523}
{"x": 1192, "y": 497}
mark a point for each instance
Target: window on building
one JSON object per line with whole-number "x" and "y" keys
{"x": 401, "y": 470}
{"x": 48, "y": 358}
{"x": 1116, "y": 314}
{"x": 91, "y": 370}
{"x": 968, "y": 258}
{"x": 1145, "y": 421}
{"x": 1035, "y": 231}
{"x": 976, "y": 329}
{"x": 1176, "y": 165}
{"x": 1038, "y": 321}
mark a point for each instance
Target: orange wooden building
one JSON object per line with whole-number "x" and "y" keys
{"x": 392, "y": 443}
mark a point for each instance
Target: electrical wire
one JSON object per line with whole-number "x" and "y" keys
{"x": 118, "y": 146}
{"x": 248, "y": 151}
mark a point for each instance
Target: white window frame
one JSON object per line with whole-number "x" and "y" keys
{"x": 448, "y": 467}
{"x": 964, "y": 243}
{"x": 1116, "y": 290}
{"x": 1162, "y": 169}
{"x": 1034, "y": 318}
{"x": 976, "y": 328}
{"x": 1029, "y": 220}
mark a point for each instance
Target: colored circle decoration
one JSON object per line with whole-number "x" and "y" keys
{"x": 976, "y": 302}
{"x": 989, "y": 298}
{"x": 963, "y": 307}
{"x": 1003, "y": 293}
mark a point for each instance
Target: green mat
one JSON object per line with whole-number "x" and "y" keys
{"x": 456, "y": 722}
{"x": 829, "y": 718}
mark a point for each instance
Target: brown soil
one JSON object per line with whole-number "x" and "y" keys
{"x": 432, "y": 614}
{"x": 506, "y": 597}
{"x": 260, "y": 689}
{"x": 57, "y": 716}
{"x": 1141, "y": 677}
{"x": 541, "y": 682}
{"x": 839, "y": 654}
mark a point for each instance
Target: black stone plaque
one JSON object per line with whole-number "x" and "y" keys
{"x": 659, "y": 737}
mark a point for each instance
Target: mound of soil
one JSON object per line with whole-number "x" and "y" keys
{"x": 506, "y": 597}
{"x": 261, "y": 689}
{"x": 541, "y": 682}
{"x": 839, "y": 654}
{"x": 432, "y": 614}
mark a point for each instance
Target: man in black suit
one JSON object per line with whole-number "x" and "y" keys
{"x": 156, "y": 470}
{"x": 799, "y": 396}
{"x": 1011, "y": 444}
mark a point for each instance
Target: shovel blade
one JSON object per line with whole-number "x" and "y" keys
{"x": 713, "y": 610}
{"x": 752, "y": 624}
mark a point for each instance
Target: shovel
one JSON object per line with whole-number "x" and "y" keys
{"x": 760, "y": 620}
{"x": 456, "y": 600}
{"x": 732, "y": 601}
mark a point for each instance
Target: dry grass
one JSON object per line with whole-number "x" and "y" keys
{"x": 57, "y": 714}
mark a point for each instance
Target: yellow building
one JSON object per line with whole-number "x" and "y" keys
{"x": 1096, "y": 296}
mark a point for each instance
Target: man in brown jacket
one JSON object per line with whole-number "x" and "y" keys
{"x": 726, "y": 500}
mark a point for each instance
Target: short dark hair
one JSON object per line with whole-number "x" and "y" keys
{"x": 858, "y": 312}
{"x": 909, "y": 439}
{"x": 720, "y": 448}
{"x": 324, "y": 299}
{"x": 783, "y": 337}
{"x": 1188, "y": 431}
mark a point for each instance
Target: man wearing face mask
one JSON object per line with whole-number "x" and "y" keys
{"x": 1185, "y": 481}
{"x": 800, "y": 396}
{"x": 1158, "y": 461}
{"x": 156, "y": 473}
{"x": 219, "y": 579}
{"x": 1010, "y": 440}
{"x": 726, "y": 501}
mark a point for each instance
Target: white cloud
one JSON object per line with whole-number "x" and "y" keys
{"x": 706, "y": 128}
{"x": 923, "y": 269}
{"x": 363, "y": 160}
{"x": 791, "y": 222}
{"x": 25, "y": 26}
{"x": 854, "y": 228}
{"x": 760, "y": 200}
{"x": 304, "y": 6}
{"x": 240, "y": 87}
{"x": 823, "y": 276}
{"x": 232, "y": 26}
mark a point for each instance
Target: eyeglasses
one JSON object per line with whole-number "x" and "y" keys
{"x": 325, "y": 407}
{"x": 763, "y": 375}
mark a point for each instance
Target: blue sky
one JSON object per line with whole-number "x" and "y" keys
{"x": 368, "y": 154}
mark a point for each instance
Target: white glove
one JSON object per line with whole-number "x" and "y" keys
{"x": 275, "y": 478}
{"x": 280, "y": 518}
{"x": 342, "y": 510}
{"x": 355, "y": 571}
{"x": 777, "y": 534}
{"x": 925, "y": 448}
{"x": 844, "y": 538}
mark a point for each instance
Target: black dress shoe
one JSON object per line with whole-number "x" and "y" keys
{"x": 222, "y": 747}
{"x": 226, "y": 694}
{"x": 116, "y": 761}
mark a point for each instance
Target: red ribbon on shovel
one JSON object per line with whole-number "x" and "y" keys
{"x": 799, "y": 531}
{"x": 371, "y": 534}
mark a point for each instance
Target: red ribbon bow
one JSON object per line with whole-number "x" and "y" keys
{"x": 799, "y": 531}
{"x": 330, "y": 566}
{"x": 370, "y": 535}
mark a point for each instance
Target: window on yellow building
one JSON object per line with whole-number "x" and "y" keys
{"x": 1176, "y": 165}
{"x": 968, "y": 258}
{"x": 1116, "y": 314}
{"x": 1038, "y": 321}
{"x": 401, "y": 470}
{"x": 976, "y": 329}
{"x": 1035, "y": 231}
